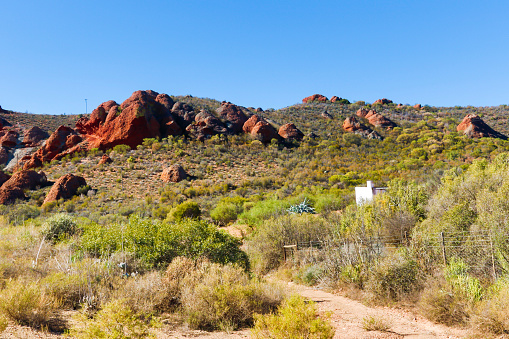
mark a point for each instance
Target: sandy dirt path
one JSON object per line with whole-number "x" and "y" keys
{"x": 348, "y": 314}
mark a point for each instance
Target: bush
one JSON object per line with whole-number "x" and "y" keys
{"x": 59, "y": 226}
{"x": 121, "y": 149}
{"x": 227, "y": 210}
{"x": 214, "y": 296}
{"x": 372, "y": 323}
{"x": 27, "y": 304}
{"x": 3, "y": 323}
{"x": 394, "y": 279}
{"x": 263, "y": 210}
{"x": 295, "y": 319}
{"x": 115, "y": 320}
{"x": 144, "y": 294}
{"x": 156, "y": 243}
{"x": 440, "y": 304}
{"x": 186, "y": 210}
{"x": 492, "y": 313}
{"x": 266, "y": 244}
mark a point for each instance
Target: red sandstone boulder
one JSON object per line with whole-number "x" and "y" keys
{"x": 4, "y": 156}
{"x": 383, "y": 101}
{"x": 400, "y": 106}
{"x": 65, "y": 187}
{"x": 315, "y": 97}
{"x": 264, "y": 132}
{"x": 9, "y": 139}
{"x": 4, "y": 177}
{"x": 351, "y": 124}
{"x": 234, "y": 116}
{"x": 335, "y": 98}
{"x": 12, "y": 189}
{"x": 375, "y": 119}
{"x": 417, "y": 106}
{"x": 290, "y": 131}
{"x": 174, "y": 173}
{"x": 61, "y": 142}
{"x": 474, "y": 127}
{"x": 251, "y": 122}
{"x": 362, "y": 112}
{"x": 105, "y": 160}
{"x": 34, "y": 136}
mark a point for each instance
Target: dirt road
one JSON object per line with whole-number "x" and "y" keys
{"x": 348, "y": 314}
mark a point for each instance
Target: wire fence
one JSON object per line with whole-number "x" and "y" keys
{"x": 485, "y": 253}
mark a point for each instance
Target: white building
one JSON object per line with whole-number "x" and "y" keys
{"x": 366, "y": 194}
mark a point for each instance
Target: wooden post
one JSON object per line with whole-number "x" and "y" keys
{"x": 443, "y": 248}
{"x": 493, "y": 258}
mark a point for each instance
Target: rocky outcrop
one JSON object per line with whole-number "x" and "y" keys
{"x": 352, "y": 124}
{"x": 233, "y": 115}
{"x": 4, "y": 177}
{"x": 63, "y": 141}
{"x": 34, "y": 136}
{"x": 8, "y": 138}
{"x": 105, "y": 159}
{"x": 264, "y": 132}
{"x": 14, "y": 187}
{"x": 417, "y": 106}
{"x": 375, "y": 119}
{"x": 146, "y": 114}
{"x": 65, "y": 187}
{"x": 326, "y": 115}
{"x": 251, "y": 122}
{"x": 335, "y": 98}
{"x": 290, "y": 132}
{"x": 174, "y": 173}
{"x": 383, "y": 101}
{"x": 474, "y": 127}
{"x": 183, "y": 114}
{"x": 205, "y": 125}
{"x": 315, "y": 97}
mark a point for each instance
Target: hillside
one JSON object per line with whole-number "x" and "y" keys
{"x": 112, "y": 215}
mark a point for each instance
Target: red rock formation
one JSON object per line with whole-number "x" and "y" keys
{"x": 174, "y": 173}
{"x": 251, "y": 122}
{"x": 8, "y": 139}
{"x": 13, "y": 188}
{"x": 183, "y": 114}
{"x": 290, "y": 131}
{"x": 146, "y": 114}
{"x": 61, "y": 142}
{"x": 105, "y": 160}
{"x": 383, "y": 101}
{"x": 264, "y": 132}
{"x": 315, "y": 97}
{"x": 4, "y": 155}
{"x": 65, "y": 187}
{"x": 474, "y": 127}
{"x": 234, "y": 116}
{"x": 335, "y": 98}
{"x": 351, "y": 124}
{"x": 34, "y": 136}
{"x": 400, "y": 106}
{"x": 4, "y": 177}
{"x": 417, "y": 106}
{"x": 375, "y": 119}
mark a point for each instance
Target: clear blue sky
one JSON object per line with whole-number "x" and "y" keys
{"x": 54, "y": 54}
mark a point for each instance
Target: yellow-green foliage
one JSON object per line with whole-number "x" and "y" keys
{"x": 492, "y": 313}
{"x": 375, "y": 323}
{"x": 3, "y": 323}
{"x": 115, "y": 320}
{"x": 27, "y": 304}
{"x": 295, "y": 319}
{"x": 214, "y": 296}
{"x": 186, "y": 210}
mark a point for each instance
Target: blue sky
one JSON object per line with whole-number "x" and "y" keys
{"x": 54, "y": 54}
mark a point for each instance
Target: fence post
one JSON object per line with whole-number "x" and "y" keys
{"x": 443, "y": 248}
{"x": 493, "y": 258}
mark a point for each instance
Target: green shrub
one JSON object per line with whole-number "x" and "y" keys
{"x": 263, "y": 210}
{"x": 3, "y": 323}
{"x": 59, "y": 226}
{"x": 115, "y": 320}
{"x": 295, "y": 319}
{"x": 27, "y": 304}
{"x": 121, "y": 149}
{"x": 156, "y": 243}
{"x": 186, "y": 210}
{"x": 227, "y": 210}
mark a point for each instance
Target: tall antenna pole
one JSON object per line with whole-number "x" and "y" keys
{"x": 86, "y": 107}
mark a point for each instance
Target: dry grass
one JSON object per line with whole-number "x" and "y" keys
{"x": 375, "y": 323}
